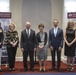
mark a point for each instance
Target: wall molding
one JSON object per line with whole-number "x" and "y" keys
{"x": 63, "y": 59}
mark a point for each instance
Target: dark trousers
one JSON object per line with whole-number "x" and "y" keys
{"x": 31, "y": 55}
{"x": 58, "y": 58}
{"x": 11, "y": 56}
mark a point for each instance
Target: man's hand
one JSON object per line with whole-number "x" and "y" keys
{"x": 35, "y": 49}
{"x": 59, "y": 49}
{"x": 51, "y": 48}
{"x": 22, "y": 49}
{"x": 0, "y": 43}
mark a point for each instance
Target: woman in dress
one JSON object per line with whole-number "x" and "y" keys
{"x": 70, "y": 39}
{"x": 41, "y": 50}
{"x": 1, "y": 42}
{"x": 11, "y": 41}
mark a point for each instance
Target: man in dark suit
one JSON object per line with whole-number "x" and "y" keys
{"x": 28, "y": 46}
{"x": 56, "y": 44}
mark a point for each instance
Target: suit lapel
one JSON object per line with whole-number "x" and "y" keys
{"x": 30, "y": 33}
{"x": 53, "y": 32}
{"x": 57, "y": 32}
{"x": 26, "y": 33}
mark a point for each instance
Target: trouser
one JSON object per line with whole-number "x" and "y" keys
{"x": 58, "y": 58}
{"x": 11, "y": 56}
{"x": 31, "y": 55}
{"x": 0, "y": 55}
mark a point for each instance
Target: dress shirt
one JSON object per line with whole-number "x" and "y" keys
{"x": 55, "y": 31}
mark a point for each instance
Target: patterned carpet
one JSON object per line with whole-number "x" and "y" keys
{"x": 20, "y": 70}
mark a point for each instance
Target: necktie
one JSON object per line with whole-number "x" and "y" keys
{"x": 28, "y": 33}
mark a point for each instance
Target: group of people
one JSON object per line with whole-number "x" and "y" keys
{"x": 30, "y": 42}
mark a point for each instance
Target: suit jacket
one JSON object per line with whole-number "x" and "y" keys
{"x": 1, "y": 37}
{"x": 39, "y": 39}
{"x": 57, "y": 41}
{"x": 28, "y": 43}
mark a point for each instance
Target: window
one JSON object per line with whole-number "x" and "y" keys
{"x": 4, "y": 5}
{"x": 70, "y": 5}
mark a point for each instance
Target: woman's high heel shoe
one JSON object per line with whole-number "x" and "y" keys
{"x": 13, "y": 69}
{"x": 10, "y": 69}
{"x": 44, "y": 70}
{"x": 40, "y": 69}
{"x": 68, "y": 68}
{"x": 72, "y": 69}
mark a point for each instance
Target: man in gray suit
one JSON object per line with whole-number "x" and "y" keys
{"x": 56, "y": 44}
{"x": 28, "y": 46}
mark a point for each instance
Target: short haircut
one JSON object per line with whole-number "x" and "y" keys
{"x": 41, "y": 25}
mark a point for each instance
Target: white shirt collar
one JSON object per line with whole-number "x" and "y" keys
{"x": 55, "y": 27}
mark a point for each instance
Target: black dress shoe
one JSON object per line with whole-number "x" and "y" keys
{"x": 32, "y": 69}
{"x": 59, "y": 69}
{"x": 44, "y": 70}
{"x": 1, "y": 70}
{"x": 25, "y": 69}
{"x": 10, "y": 69}
{"x": 40, "y": 69}
{"x": 51, "y": 69}
{"x": 13, "y": 69}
